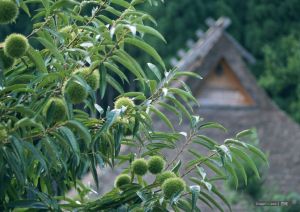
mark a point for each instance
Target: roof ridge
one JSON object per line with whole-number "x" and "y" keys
{"x": 206, "y": 42}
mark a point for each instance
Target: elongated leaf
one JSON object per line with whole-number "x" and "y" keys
{"x": 176, "y": 168}
{"x": 258, "y": 152}
{"x": 221, "y": 196}
{"x": 129, "y": 66}
{"x": 155, "y": 70}
{"x": 103, "y": 83}
{"x": 214, "y": 168}
{"x": 81, "y": 129}
{"x": 212, "y": 200}
{"x": 213, "y": 125}
{"x": 235, "y": 142}
{"x": 68, "y": 134}
{"x": 116, "y": 70}
{"x": 244, "y": 133}
{"x": 114, "y": 84}
{"x": 110, "y": 118}
{"x": 180, "y": 107}
{"x": 206, "y": 141}
{"x": 33, "y": 204}
{"x": 94, "y": 170}
{"x": 151, "y": 31}
{"x": 240, "y": 168}
{"x": 246, "y": 158}
{"x": 37, "y": 59}
{"x": 188, "y": 74}
{"x": 233, "y": 174}
{"x": 183, "y": 94}
{"x": 36, "y": 154}
{"x": 162, "y": 117}
{"x": 122, "y": 3}
{"x": 147, "y": 48}
{"x": 52, "y": 48}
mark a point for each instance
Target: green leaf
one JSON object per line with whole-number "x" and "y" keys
{"x": 214, "y": 168}
{"x": 246, "y": 158}
{"x": 150, "y": 31}
{"x": 169, "y": 107}
{"x": 184, "y": 205}
{"x": 176, "y": 168}
{"x": 37, "y": 154}
{"x": 25, "y": 8}
{"x": 210, "y": 125}
{"x": 180, "y": 107}
{"x": 27, "y": 122}
{"x": 13, "y": 162}
{"x": 94, "y": 170}
{"x": 155, "y": 70}
{"x": 240, "y": 168}
{"x": 16, "y": 88}
{"x": 212, "y": 200}
{"x": 128, "y": 66}
{"x": 235, "y": 142}
{"x": 233, "y": 174}
{"x": 116, "y": 70}
{"x": 81, "y": 129}
{"x": 162, "y": 117}
{"x": 37, "y": 59}
{"x": 103, "y": 84}
{"x": 206, "y": 141}
{"x": 70, "y": 137}
{"x": 121, "y": 3}
{"x": 183, "y": 94}
{"x": 110, "y": 118}
{"x": 147, "y": 48}
{"x": 187, "y": 73}
{"x": 244, "y": 133}
{"x": 51, "y": 47}
{"x": 258, "y": 152}
{"x": 64, "y": 3}
{"x": 221, "y": 196}
{"x": 114, "y": 84}
{"x": 32, "y": 204}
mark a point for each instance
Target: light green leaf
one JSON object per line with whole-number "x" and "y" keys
{"x": 150, "y": 30}
{"x": 121, "y": 3}
{"x": 246, "y": 158}
{"x": 258, "y": 152}
{"x": 51, "y": 47}
{"x": 37, "y": 59}
{"x": 233, "y": 174}
{"x": 162, "y": 117}
{"x": 210, "y": 125}
{"x": 240, "y": 168}
{"x": 147, "y": 48}
{"x": 70, "y": 137}
{"x": 212, "y": 200}
{"x": 81, "y": 129}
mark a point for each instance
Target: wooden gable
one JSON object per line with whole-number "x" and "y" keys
{"x": 221, "y": 87}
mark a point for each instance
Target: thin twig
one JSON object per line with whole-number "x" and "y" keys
{"x": 197, "y": 164}
{"x": 186, "y": 143}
